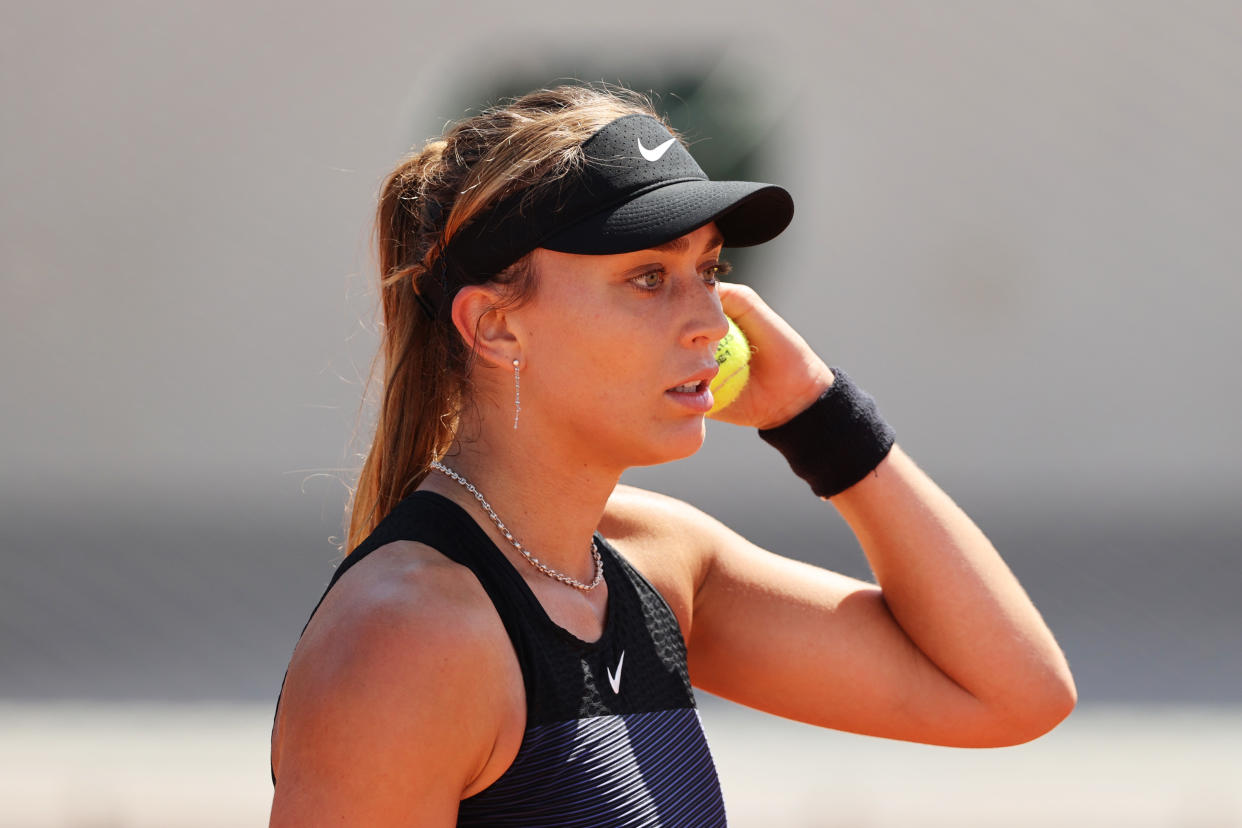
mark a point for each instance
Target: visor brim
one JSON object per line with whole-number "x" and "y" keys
{"x": 747, "y": 213}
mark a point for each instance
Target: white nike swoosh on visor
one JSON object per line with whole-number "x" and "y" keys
{"x": 654, "y": 154}
{"x": 615, "y": 680}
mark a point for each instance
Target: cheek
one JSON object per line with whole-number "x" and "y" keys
{"x": 597, "y": 361}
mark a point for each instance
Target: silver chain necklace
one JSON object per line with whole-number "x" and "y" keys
{"x": 531, "y": 559}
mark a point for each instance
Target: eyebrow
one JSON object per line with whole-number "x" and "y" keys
{"x": 682, "y": 243}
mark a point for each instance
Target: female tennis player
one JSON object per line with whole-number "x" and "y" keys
{"x": 513, "y": 636}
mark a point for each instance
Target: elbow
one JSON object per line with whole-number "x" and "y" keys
{"x": 1058, "y": 698}
{"x": 1051, "y": 713}
{"x": 1064, "y": 700}
{"x": 1037, "y": 715}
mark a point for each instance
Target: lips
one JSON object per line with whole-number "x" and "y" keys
{"x": 698, "y": 382}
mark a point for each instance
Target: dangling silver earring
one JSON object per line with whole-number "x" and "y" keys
{"x": 517, "y": 394}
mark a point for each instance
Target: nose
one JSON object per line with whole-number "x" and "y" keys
{"x": 706, "y": 323}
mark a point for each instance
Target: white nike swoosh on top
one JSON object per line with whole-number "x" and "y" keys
{"x": 615, "y": 680}
{"x": 654, "y": 154}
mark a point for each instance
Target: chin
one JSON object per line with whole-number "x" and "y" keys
{"x": 675, "y": 444}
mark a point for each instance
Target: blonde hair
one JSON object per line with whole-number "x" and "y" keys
{"x": 520, "y": 146}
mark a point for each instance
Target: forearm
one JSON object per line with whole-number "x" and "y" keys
{"x": 951, "y": 609}
{"x": 951, "y": 592}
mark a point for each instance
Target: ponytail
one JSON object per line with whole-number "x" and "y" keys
{"x": 415, "y": 422}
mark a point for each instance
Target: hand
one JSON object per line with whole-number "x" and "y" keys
{"x": 786, "y": 376}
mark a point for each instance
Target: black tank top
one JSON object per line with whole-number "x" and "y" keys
{"x": 613, "y": 736}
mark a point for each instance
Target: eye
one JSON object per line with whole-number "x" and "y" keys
{"x": 713, "y": 273}
{"x": 649, "y": 281}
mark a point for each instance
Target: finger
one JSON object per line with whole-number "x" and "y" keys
{"x": 738, "y": 301}
{"x": 761, "y": 325}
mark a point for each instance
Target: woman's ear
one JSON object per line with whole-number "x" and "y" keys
{"x": 483, "y": 325}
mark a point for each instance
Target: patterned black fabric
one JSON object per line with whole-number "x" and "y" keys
{"x": 591, "y": 755}
{"x": 650, "y": 769}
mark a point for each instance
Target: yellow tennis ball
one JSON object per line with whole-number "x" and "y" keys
{"x": 733, "y": 357}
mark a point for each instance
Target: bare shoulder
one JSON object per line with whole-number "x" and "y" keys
{"x": 670, "y": 541}
{"x": 632, "y": 511}
{"x": 404, "y": 602}
{"x": 396, "y": 696}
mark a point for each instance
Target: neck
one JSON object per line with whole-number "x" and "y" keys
{"x": 551, "y": 502}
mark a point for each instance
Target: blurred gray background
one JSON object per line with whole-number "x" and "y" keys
{"x": 1017, "y": 226}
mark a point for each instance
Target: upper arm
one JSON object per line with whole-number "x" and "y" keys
{"x": 804, "y": 642}
{"x": 387, "y": 714}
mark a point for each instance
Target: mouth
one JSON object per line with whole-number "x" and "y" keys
{"x": 694, "y": 394}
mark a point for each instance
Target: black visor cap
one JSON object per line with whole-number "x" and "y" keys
{"x": 638, "y": 188}
{"x": 647, "y": 189}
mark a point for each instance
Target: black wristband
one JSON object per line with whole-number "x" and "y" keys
{"x": 837, "y": 440}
